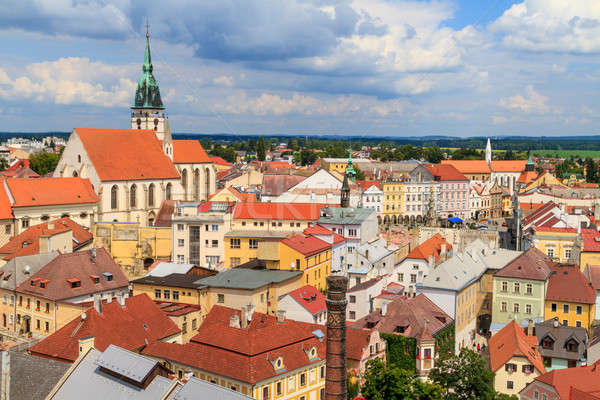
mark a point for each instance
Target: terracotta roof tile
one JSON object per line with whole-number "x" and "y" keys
{"x": 586, "y": 379}
{"x": 591, "y": 240}
{"x": 532, "y": 264}
{"x": 189, "y": 152}
{"x": 469, "y": 166}
{"x": 131, "y": 327}
{"x": 79, "y": 265}
{"x": 592, "y": 272}
{"x": 527, "y": 176}
{"x": 567, "y": 283}
{"x": 364, "y": 185}
{"x": 50, "y": 191}
{"x": 430, "y": 247}
{"x": 508, "y": 165}
{"x": 309, "y": 298}
{"x": 275, "y": 185}
{"x": 445, "y": 172}
{"x": 318, "y": 230}
{"x": 357, "y": 341}
{"x": 5, "y": 206}
{"x": 307, "y": 245}
{"x": 553, "y": 229}
{"x": 284, "y": 211}
{"x": 219, "y": 161}
{"x": 511, "y": 341}
{"x": 135, "y": 154}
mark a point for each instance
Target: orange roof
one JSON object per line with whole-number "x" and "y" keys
{"x": 219, "y": 161}
{"x": 307, "y": 245}
{"x": 51, "y": 191}
{"x": 285, "y": 211}
{"x": 445, "y": 172}
{"x": 367, "y": 184}
{"x": 527, "y": 176}
{"x": 568, "y": 284}
{"x": 511, "y": 341}
{"x": 126, "y": 154}
{"x": 243, "y": 196}
{"x": 5, "y": 207}
{"x": 564, "y": 381}
{"x": 469, "y": 166}
{"x": 430, "y": 247}
{"x": 508, "y": 165}
{"x": 189, "y": 152}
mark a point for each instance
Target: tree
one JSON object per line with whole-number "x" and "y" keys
{"x": 392, "y": 383}
{"x": 3, "y": 163}
{"x": 305, "y": 157}
{"x": 434, "y": 154}
{"x": 464, "y": 376}
{"x": 360, "y": 176}
{"x": 226, "y": 153}
{"x": 591, "y": 171}
{"x": 43, "y": 162}
{"x": 260, "y": 149}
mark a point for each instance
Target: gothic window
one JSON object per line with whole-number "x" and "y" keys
{"x": 114, "y": 192}
{"x": 168, "y": 192}
{"x": 196, "y": 184}
{"x": 151, "y": 195}
{"x": 184, "y": 179}
{"x": 133, "y": 196}
{"x": 207, "y": 182}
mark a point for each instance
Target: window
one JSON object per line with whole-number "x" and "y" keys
{"x": 567, "y": 254}
{"x": 544, "y": 397}
{"x": 505, "y": 286}
{"x": 114, "y": 193}
{"x": 503, "y": 306}
{"x": 157, "y": 293}
{"x": 565, "y": 308}
{"x": 37, "y": 324}
{"x": 517, "y": 287}
{"x": 352, "y": 299}
{"x": 536, "y": 394}
{"x": 25, "y": 223}
{"x": 47, "y": 307}
{"x": 175, "y": 295}
{"x": 547, "y": 343}
{"x": 279, "y": 388}
{"x": 194, "y": 323}
{"x": 220, "y": 298}
{"x": 578, "y": 310}
{"x": 565, "y": 322}
{"x": 413, "y": 278}
{"x": 265, "y": 393}
{"x": 550, "y": 253}
{"x": 352, "y": 232}
{"x": 527, "y": 369}
{"x": 253, "y": 243}
{"x": 215, "y": 243}
{"x": 168, "y": 191}
{"x": 180, "y": 227}
{"x": 215, "y": 228}
{"x": 234, "y": 243}
{"x": 303, "y": 379}
{"x": 235, "y": 261}
{"x": 132, "y": 196}
{"x": 578, "y": 324}
{"x": 401, "y": 277}
{"x": 527, "y": 308}
{"x": 47, "y": 325}
{"x": 184, "y": 327}
{"x": 180, "y": 242}
{"x": 547, "y": 362}
{"x": 151, "y": 195}
{"x": 7, "y": 229}
{"x": 212, "y": 260}
{"x": 572, "y": 346}
{"x": 509, "y": 367}
{"x": 553, "y": 307}
{"x": 167, "y": 294}
{"x": 322, "y": 373}
{"x": 352, "y": 315}
{"x": 180, "y": 258}
{"x": 529, "y": 289}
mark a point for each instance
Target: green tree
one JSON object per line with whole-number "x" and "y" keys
{"x": 433, "y": 154}
{"x": 261, "y": 149}
{"x": 591, "y": 170}
{"x": 43, "y": 162}
{"x": 464, "y": 376}
{"x": 392, "y": 383}
{"x": 226, "y": 153}
{"x": 360, "y": 176}
{"x": 3, "y": 163}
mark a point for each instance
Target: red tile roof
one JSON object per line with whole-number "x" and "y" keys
{"x": 469, "y": 166}
{"x": 527, "y": 176}
{"x": 532, "y": 264}
{"x": 592, "y": 272}
{"x": 508, "y": 165}
{"x": 445, "y": 172}
{"x": 131, "y": 327}
{"x": 189, "y": 152}
{"x": 553, "y": 229}
{"x": 364, "y": 185}
{"x": 276, "y": 184}
{"x": 50, "y": 191}
{"x": 176, "y": 309}
{"x": 80, "y": 266}
{"x": 309, "y": 298}
{"x": 430, "y": 247}
{"x": 244, "y": 354}
{"x": 16, "y": 246}
{"x": 511, "y": 341}
{"x": 5, "y": 206}
{"x": 243, "y": 196}
{"x": 591, "y": 240}
{"x": 219, "y": 161}
{"x": 567, "y": 283}
{"x": 357, "y": 342}
{"x": 165, "y": 213}
{"x": 585, "y": 379}
{"x": 307, "y": 245}
{"x": 134, "y": 154}
{"x": 317, "y": 230}
{"x": 283, "y": 211}
{"x": 539, "y": 213}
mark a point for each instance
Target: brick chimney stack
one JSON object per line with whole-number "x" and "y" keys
{"x": 335, "y": 382}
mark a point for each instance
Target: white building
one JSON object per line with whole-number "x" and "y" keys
{"x": 371, "y": 196}
{"x": 361, "y": 297}
{"x": 305, "y": 304}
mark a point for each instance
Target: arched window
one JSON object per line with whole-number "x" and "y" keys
{"x": 168, "y": 192}
{"x": 75, "y": 174}
{"x": 207, "y": 183}
{"x": 114, "y": 192}
{"x": 184, "y": 180}
{"x": 133, "y": 196}
{"x": 151, "y": 195}
{"x": 196, "y": 184}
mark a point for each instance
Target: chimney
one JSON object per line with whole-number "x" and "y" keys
{"x": 443, "y": 250}
{"x": 530, "y": 327}
{"x": 234, "y": 321}
{"x": 50, "y": 224}
{"x": 44, "y": 244}
{"x": 94, "y": 253}
{"x": 280, "y": 316}
{"x": 85, "y": 343}
{"x": 383, "y": 309}
{"x": 431, "y": 262}
{"x": 98, "y": 303}
{"x": 244, "y": 318}
{"x": 335, "y": 380}
{"x": 5, "y": 387}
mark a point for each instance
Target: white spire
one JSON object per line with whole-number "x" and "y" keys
{"x": 488, "y": 152}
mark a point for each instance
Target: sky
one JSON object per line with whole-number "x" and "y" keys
{"x": 311, "y": 67}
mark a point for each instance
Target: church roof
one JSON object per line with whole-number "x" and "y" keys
{"x": 126, "y": 154}
{"x": 189, "y": 152}
{"x": 147, "y": 94}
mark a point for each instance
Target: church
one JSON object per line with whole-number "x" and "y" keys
{"x": 134, "y": 170}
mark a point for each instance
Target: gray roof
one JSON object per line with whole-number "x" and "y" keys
{"x": 463, "y": 268}
{"x": 377, "y": 249}
{"x": 126, "y": 363}
{"x": 172, "y": 280}
{"x": 561, "y": 334}
{"x": 242, "y": 278}
{"x": 87, "y": 380}
{"x": 199, "y": 389}
{"x": 19, "y": 269}
{"x": 167, "y": 268}
{"x": 26, "y": 369}
{"x": 345, "y": 216}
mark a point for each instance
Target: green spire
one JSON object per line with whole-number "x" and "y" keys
{"x": 147, "y": 94}
{"x": 350, "y": 169}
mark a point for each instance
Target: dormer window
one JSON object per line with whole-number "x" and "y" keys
{"x": 74, "y": 282}
{"x": 400, "y": 329}
{"x": 95, "y": 279}
{"x": 572, "y": 346}
{"x": 108, "y": 276}
{"x": 548, "y": 343}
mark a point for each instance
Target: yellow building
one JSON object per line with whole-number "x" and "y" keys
{"x": 335, "y": 164}
{"x": 393, "y": 200}
{"x": 590, "y": 251}
{"x": 242, "y": 246}
{"x": 231, "y": 347}
{"x": 570, "y": 298}
{"x": 559, "y": 244}
{"x": 545, "y": 179}
{"x": 133, "y": 246}
{"x": 187, "y": 317}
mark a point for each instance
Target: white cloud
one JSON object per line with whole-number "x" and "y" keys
{"x": 551, "y": 25}
{"x": 70, "y": 81}
{"x": 223, "y": 80}
{"x": 530, "y": 103}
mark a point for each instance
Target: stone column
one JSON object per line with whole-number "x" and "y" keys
{"x": 335, "y": 382}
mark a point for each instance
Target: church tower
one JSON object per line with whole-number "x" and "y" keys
{"x": 488, "y": 153}
{"x": 147, "y": 111}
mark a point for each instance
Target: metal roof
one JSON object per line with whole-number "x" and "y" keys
{"x": 242, "y": 278}
{"x": 126, "y": 363}
{"x": 345, "y": 216}
{"x": 168, "y": 268}
{"x": 199, "y": 389}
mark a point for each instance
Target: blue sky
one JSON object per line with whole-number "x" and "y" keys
{"x": 364, "y": 67}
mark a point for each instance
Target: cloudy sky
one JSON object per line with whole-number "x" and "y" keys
{"x": 366, "y": 67}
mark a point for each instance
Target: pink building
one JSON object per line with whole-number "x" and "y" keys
{"x": 454, "y": 190}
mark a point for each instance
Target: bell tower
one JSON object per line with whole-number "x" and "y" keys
{"x": 147, "y": 111}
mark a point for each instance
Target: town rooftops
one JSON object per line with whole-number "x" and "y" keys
{"x": 508, "y": 165}
{"x": 357, "y": 341}
{"x": 189, "y": 152}
{"x": 365, "y": 285}
{"x": 309, "y": 298}
{"x": 24, "y": 192}
{"x": 75, "y": 274}
{"x": 135, "y": 154}
{"x": 469, "y": 166}
{"x": 445, "y": 172}
{"x": 132, "y": 326}
{"x": 171, "y": 280}
{"x": 243, "y": 278}
{"x": 532, "y": 264}
{"x": 307, "y": 245}
{"x": 345, "y": 216}
{"x": 591, "y": 240}
{"x": 565, "y": 381}
{"x": 512, "y": 341}
{"x": 165, "y": 268}
{"x": 560, "y": 334}
{"x": 568, "y": 284}
{"x": 430, "y": 247}
{"x": 196, "y": 388}
{"x": 282, "y": 211}
{"x": 20, "y": 269}
{"x": 258, "y": 234}
{"x": 275, "y": 185}
{"x": 592, "y": 273}
{"x": 220, "y": 161}
{"x": 318, "y": 230}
